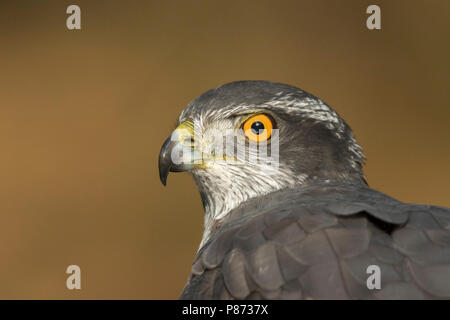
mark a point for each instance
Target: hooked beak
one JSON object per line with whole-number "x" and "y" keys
{"x": 177, "y": 153}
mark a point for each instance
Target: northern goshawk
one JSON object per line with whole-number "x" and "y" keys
{"x": 288, "y": 212}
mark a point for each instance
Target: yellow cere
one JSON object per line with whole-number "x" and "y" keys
{"x": 185, "y": 130}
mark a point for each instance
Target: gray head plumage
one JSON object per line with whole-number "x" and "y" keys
{"x": 315, "y": 144}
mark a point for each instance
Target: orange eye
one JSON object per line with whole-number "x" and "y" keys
{"x": 258, "y": 128}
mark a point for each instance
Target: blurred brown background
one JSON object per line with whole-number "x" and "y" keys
{"x": 83, "y": 115}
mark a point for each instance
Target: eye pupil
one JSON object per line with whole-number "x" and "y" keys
{"x": 257, "y": 127}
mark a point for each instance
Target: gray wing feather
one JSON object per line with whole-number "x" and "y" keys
{"x": 318, "y": 243}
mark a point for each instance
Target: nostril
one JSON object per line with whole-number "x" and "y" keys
{"x": 186, "y": 140}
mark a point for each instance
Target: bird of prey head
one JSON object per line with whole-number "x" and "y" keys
{"x": 314, "y": 144}
{"x": 288, "y": 214}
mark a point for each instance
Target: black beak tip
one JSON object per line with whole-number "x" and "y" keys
{"x": 163, "y": 178}
{"x": 164, "y": 163}
{"x": 164, "y": 169}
